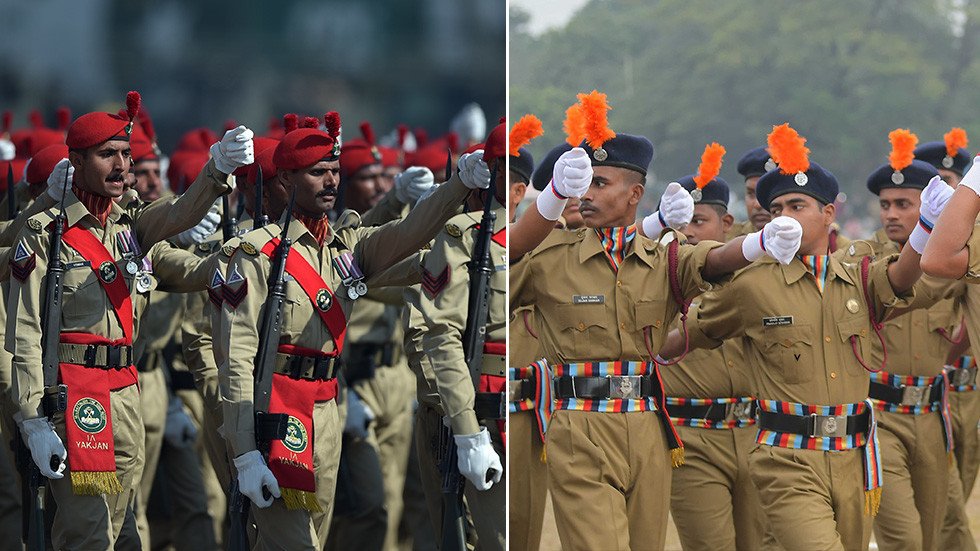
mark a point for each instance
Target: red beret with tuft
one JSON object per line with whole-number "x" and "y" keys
{"x": 302, "y": 148}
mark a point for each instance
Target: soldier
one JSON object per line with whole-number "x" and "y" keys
{"x": 752, "y": 166}
{"x": 709, "y": 399}
{"x": 806, "y": 328}
{"x": 101, "y": 300}
{"x": 324, "y": 259}
{"x": 601, "y": 299}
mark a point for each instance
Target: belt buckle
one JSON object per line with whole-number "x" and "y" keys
{"x": 113, "y": 355}
{"x": 739, "y": 411}
{"x": 914, "y": 395}
{"x": 964, "y": 376}
{"x": 514, "y": 390}
{"x": 832, "y": 426}
{"x": 625, "y": 387}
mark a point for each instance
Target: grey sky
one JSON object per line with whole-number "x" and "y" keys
{"x": 547, "y": 14}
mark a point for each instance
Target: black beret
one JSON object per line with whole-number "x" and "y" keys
{"x": 543, "y": 172}
{"x": 623, "y": 151}
{"x": 523, "y": 165}
{"x": 934, "y": 153}
{"x": 914, "y": 176}
{"x": 755, "y": 163}
{"x": 714, "y": 193}
{"x": 818, "y": 183}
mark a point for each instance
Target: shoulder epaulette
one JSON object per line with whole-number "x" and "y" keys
{"x": 41, "y": 220}
{"x": 347, "y": 219}
{"x": 253, "y": 241}
{"x": 458, "y": 224}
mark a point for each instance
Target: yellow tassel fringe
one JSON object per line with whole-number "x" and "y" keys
{"x": 872, "y": 500}
{"x": 677, "y": 457}
{"x": 85, "y": 483}
{"x": 298, "y": 499}
{"x": 544, "y": 454}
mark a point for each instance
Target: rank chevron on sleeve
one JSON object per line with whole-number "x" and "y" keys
{"x": 434, "y": 284}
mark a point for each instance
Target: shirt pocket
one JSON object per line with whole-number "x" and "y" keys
{"x": 942, "y": 323}
{"x": 652, "y": 314}
{"x": 855, "y": 337}
{"x": 296, "y": 307}
{"x": 791, "y": 348}
{"x": 583, "y": 330}
{"x": 84, "y": 299}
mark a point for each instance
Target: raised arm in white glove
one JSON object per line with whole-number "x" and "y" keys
{"x": 972, "y": 177}
{"x": 179, "y": 429}
{"x": 44, "y": 443}
{"x": 234, "y": 150}
{"x": 253, "y": 475}
{"x": 56, "y": 180}
{"x": 359, "y": 416}
{"x": 779, "y": 239}
{"x": 204, "y": 229}
{"x": 676, "y": 211}
{"x": 571, "y": 177}
{"x": 473, "y": 171}
{"x": 7, "y": 150}
{"x": 475, "y": 457}
{"x": 411, "y": 184}
{"x": 933, "y": 200}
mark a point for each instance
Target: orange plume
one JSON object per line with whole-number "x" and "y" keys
{"x": 710, "y": 164}
{"x": 595, "y": 110}
{"x": 788, "y": 149}
{"x": 903, "y": 144}
{"x": 955, "y": 139}
{"x": 574, "y": 125}
{"x": 526, "y": 129}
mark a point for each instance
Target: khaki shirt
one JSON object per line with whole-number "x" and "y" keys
{"x": 709, "y": 373}
{"x": 414, "y": 327}
{"x": 86, "y": 307}
{"x": 522, "y": 346}
{"x": 796, "y": 338}
{"x": 739, "y": 229}
{"x": 445, "y": 312}
{"x": 587, "y": 312}
{"x": 973, "y": 248}
{"x": 374, "y": 249}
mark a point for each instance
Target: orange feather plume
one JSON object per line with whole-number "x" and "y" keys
{"x": 710, "y": 164}
{"x": 955, "y": 139}
{"x": 595, "y": 110}
{"x": 574, "y": 125}
{"x": 903, "y": 144}
{"x": 526, "y": 129}
{"x": 788, "y": 149}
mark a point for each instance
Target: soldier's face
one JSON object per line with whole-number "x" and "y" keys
{"x": 275, "y": 196}
{"x": 149, "y": 184}
{"x": 573, "y": 218}
{"x": 899, "y": 212}
{"x": 612, "y": 198}
{"x": 388, "y": 176}
{"x": 102, "y": 169}
{"x": 950, "y": 177}
{"x": 316, "y": 187}
{"x": 757, "y": 215}
{"x": 518, "y": 188}
{"x": 365, "y": 188}
{"x": 709, "y": 223}
{"x": 812, "y": 216}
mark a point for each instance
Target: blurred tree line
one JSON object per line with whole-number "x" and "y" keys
{"x": 688, "y": 72}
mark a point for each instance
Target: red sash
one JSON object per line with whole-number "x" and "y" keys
{"x": 108, "y": 274}
{"x": 494, "y": 383}
{"x": 313, "y": 285}
{"x": 500, "y": 237}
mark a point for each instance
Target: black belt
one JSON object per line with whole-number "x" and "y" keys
{"x": 631, "y": 387}
{"x": 714, "y": 412}
{"x": 906, "y": 395}
{"x": 490, "y": 405}
{"x": 815, "y": 425}
{"x": 363, "y": 359}
{"x": 314, "y": 368}
{"x": 105, "y": 356}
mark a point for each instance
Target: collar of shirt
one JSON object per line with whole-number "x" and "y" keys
{"x": 592, "y": 246}
{"x": 76, "y": 210}
{"x": 796, "y": 269}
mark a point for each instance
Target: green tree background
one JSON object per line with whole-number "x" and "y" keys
{"x": 688, "y": 72}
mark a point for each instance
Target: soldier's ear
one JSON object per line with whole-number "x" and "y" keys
{"x": 636, "y": 193}
{"x": 726, "y": 222}
{"x": 283, "y": 178}
{"x": 829, "y": 213}
{"x": 75, "y": 158}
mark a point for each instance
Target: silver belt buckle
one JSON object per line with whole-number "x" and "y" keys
{"x": 833, "y": 426}
{"x": 514, "y": 390}
{"x": 964, "y": 376}
{"x": 625, "y": 387}
{"x": 915, "y": 395}
{"x": 739, "y": 411}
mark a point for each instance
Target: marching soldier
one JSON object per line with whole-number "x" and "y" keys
{"x": 806, "y": 325}
{"x": 102, "y": 425}
{"x": 328, "y": 268}
{"x": 752, "y": 166}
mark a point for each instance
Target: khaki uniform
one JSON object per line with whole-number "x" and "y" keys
{"x": 528, "y": 471}
{"x": 739, "y": 229}
{"x": 609, "y": 473}
{"x": 799, "y": 342}
{"x": 374, "y": 249}
{"x": 94, "y": 521}
{"x": 913, "y": 456}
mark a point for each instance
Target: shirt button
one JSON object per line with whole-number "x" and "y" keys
{"x": 918, "y": 356}
{"x": 827, "y": 339}
{"x": 622, "y": 325}
{"x": 731, "y": 363}
{"x": 833, "y": 374}
{"x": 581, "y": 327}
{"x": 619, "y": 284}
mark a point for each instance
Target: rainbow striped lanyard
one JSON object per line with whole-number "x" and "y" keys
{"x": 541, "y": 403}
{"x": 615, "y": 243}
{"x": 817, "y": 265}
{"x": 964, "y": 362}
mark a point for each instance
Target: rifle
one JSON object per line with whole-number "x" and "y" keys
{"x": 261, "y": 220}
{"x": 229, "y": 227}
{"x": 268, "y": 426}
{"x": 478, "y": 307}
{"x": 55, "y": 398}
{"x": 11, "y": 200}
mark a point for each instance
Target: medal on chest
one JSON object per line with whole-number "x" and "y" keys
{"x": 350, "y": 275}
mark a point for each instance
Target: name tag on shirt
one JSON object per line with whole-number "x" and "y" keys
{"x": 588, "y": 299}
{"x": 777, "y": 321}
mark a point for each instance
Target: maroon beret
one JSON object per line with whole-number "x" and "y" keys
{"x": 43, "y": 163}
{"x": 302, "y": 148}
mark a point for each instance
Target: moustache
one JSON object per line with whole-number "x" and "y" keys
{"x": 328, "y": 192}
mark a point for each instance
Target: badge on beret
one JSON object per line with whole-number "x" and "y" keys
{"x": 770, "y": 165}
{"x": 375, "y": 153}
{"x": 898, "y": 178}
{"x": 454, "y": 231}
{"x": 800, "y": 179}
{"x": 600, "y": 154}
{"x": 107, "y": 272}
{"x": 696, "y": 195}
{"x": 249, "y": 248}
{"x": 947, "y": 162}
{"x": 323, "y": 300}
{"x": 34, "y": 224}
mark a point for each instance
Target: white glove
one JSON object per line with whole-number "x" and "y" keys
{"x": 475, "y": 457}
{"x": 779, "y": 239}
{"x": 571, "y": 177}
{"x": 204, "y": 229}
{"x": 179, "y": 430}
{"x": 56, "y": 180}
{"x": 411, "y": 184}
{"x": 44, "y": 443}
{"x": 253, "y": 475}
{"x": 359, "y": 416}
{"x": 972, "y": 177}
{"x": 470, "y": 124}
{"x": 676, "y": 211}
{"x": 234, "y": 150}
{"x": 7, "y": 150}
{"x": 933, "y": 200}
{"x": 473, "y": 171}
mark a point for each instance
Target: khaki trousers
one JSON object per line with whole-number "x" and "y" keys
{"x": 528, "y": 481}
{"x": 609, "y": 475}
{"x": 913, "y": 496}
{"x": 712, "y": 499}
{"x": 153, "y": 406}
{"x": 964, "y": 408}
